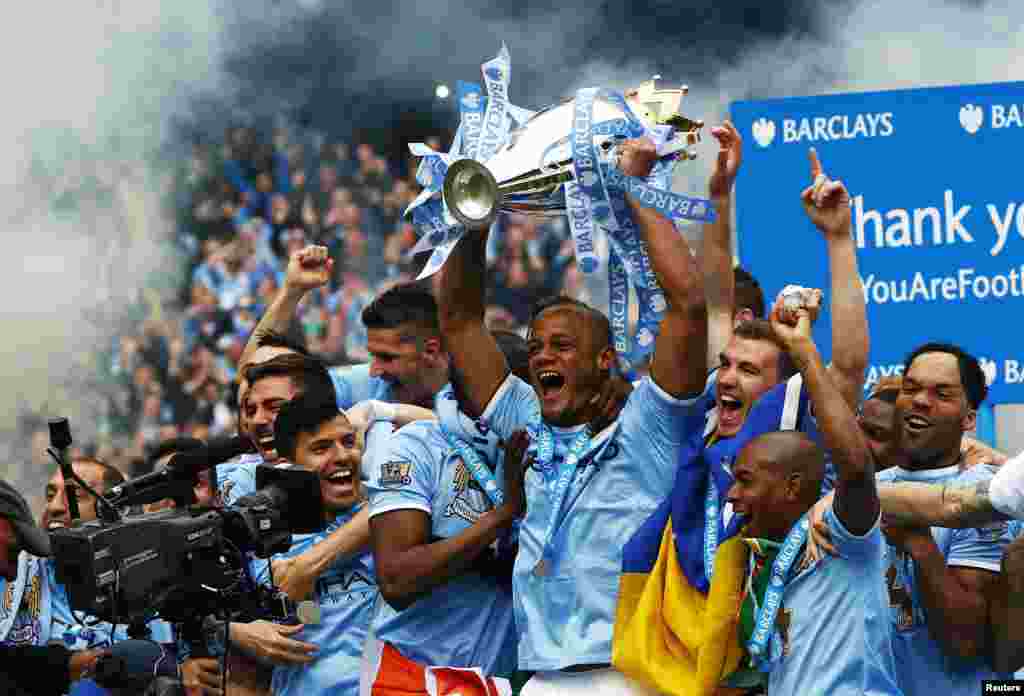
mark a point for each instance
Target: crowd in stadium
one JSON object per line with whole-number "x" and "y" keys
{"x": 505, "y": 512}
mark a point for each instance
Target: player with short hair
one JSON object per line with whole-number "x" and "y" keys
{"x": 586, "y": 493}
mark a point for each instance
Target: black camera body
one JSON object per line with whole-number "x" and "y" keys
{"x": 185, "y": 563}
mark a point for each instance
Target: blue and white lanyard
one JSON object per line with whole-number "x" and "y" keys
{"x": 476, "y": 465}
{"x": 764, "y": 625}
{"x": 567, "y": 471}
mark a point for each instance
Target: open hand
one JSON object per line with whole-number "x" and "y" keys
{"x": 826, "y": 202}
{"x": 270, "y": 642}
{"x": 819, "y": 538}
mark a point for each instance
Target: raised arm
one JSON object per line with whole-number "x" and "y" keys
{"x": 856, "y": 498}
{"x": 308, "y": 268}
{"x": 716, "y": 252}
{"x": 827, "y": 204}
{"x": 681, "y": 348}
{"x": 461, "y": 303}
{"x": 297, "y": 576}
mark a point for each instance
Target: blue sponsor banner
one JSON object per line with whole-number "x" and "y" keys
{"x": 938, "y": 215}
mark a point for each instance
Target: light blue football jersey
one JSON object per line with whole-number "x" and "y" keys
{"x": 833, "y": 628}
{"x": 237, "y": 477}
{"x": 353, "y": 383}
{"x": 468, "y": 621}
{"x": 347, "y": 595}
{"x": 924, "y": 669}
{"x": 565, "y": 614}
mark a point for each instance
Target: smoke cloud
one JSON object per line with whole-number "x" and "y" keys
{"x": 94, "y": 87}
{"x": 90, "y": 89}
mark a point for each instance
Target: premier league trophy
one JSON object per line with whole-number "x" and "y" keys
{"x": 525, "y": 174}
{"x": 562, "y": 160}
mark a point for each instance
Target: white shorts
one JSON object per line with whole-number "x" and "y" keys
{"x": 596, "y": 682}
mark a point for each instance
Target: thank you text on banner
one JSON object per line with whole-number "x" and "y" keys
{"x": 938, "y": 215}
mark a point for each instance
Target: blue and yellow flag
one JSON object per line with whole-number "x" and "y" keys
{"x": 675, "y": 630}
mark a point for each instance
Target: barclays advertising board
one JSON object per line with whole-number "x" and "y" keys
{"x": 938, "y": 215}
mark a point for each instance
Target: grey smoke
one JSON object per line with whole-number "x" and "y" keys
{"x": 92, "y": 83}
{"x": 90, "y": 89}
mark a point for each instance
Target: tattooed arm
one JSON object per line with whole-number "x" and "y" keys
{"x": 930, "y": 505}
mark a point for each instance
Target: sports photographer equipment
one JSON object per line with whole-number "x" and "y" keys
{"x": 184, "y": 563}
{"x": 178, "y": 477}
{"x": 60, "y": 441}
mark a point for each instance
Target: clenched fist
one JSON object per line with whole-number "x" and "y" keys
{"x": 308, "y": 268}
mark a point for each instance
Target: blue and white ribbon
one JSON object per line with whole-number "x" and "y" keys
{"x": 472, "y": 105}
{"x": 608, "y": 210}
{"x": 711, "y": 514}
{"x": 764, "y": 625}
{"x": 483, "y": 128}
{"x": 497, "y": 73}
{"x": 545, "y": 456}
{"x": 618, "y": 303}
{"x": 595, "y": 201}
{"x": 482, "y": 473}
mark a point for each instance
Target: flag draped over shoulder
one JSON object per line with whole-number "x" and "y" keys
{"x": 675, "y": 630}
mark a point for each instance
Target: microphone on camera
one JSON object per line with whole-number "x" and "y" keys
{"x": 176, "y": 478}
{"x": 189, "y": 464}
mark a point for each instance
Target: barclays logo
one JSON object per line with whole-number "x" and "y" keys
{"x": 823, "y": 128}
{"x": 990, "y": 370}
{"x": 471, "y": 101}
{"x": 763, "y": 131}
{"x": 971, "y": 118}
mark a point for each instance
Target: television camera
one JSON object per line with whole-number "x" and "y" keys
{"x": 184, "y": 564}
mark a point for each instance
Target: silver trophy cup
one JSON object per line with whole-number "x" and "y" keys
{"x": 525, "y": 175}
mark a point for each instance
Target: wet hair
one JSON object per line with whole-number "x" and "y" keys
{"x": 748, "y": 292}
{"x": 600, "y": 322}
{"x": 304, "y": 414}
{"x": 971, "y": 375}
{"x": 761, "y": 330}
{"x": 406, "y": 303}
{"x": 307, "y": 373}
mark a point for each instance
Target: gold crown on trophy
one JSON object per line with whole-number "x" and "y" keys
{"x": 655, "y": 101}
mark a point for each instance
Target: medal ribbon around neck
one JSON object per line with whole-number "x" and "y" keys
{"x": 764, "y": 624}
